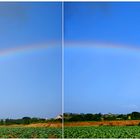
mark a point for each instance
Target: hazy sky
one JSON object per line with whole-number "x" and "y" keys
{"x": 102, "y": 57}
{"x": 30, "y": 60}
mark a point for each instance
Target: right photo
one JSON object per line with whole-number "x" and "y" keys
{"x": 102, "y": 70}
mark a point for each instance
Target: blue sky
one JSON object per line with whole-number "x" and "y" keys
{"x": 102, "y": 57}
{"x": 30, "y": 79}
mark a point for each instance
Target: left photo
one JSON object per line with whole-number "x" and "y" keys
{"x": 30, "y": 70}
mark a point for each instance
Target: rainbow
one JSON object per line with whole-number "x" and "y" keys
{"x": 98, "y": 44}
{"x": 22, "y": 50}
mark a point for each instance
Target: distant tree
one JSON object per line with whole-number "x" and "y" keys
{"x": 77, "y": 118}
{"x": 97, "y": 117}
{"x": 88, "y": 117}
{"x": 8, "y": 122}
{"x": 26, "y": 120}
{"x": 1, "y": 122}
{"x": 135, "y": 115}
{"x": 34, "y": 120}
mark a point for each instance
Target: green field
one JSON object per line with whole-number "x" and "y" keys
{"x": 31, "y": 132}
{"x": 102, "y": 132}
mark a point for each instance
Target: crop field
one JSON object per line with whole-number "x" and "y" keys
{"x": 30, "y": 132}
{"x": 102, "y": 132}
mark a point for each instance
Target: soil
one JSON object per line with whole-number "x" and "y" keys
{"x": 49, "y": 124}
{"x": 106, "y": 123}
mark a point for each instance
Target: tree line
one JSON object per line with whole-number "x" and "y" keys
{"x": 69, "y": 117}
{"x": 26, "y": 120}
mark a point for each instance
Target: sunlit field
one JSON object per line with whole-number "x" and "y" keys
{"x": 31, "y": 132}
{"x": 102, "y": 132}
